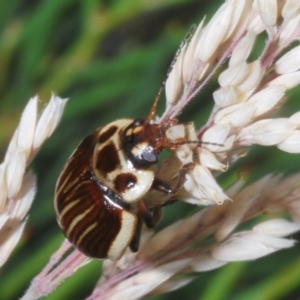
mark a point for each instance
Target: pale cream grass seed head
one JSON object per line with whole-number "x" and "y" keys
{"x": 17, "y": 183}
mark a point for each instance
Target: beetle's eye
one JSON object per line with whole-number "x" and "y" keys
{"x": 149, "y": 156}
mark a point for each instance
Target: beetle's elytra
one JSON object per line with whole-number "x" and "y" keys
{"x": 99, "y": 194}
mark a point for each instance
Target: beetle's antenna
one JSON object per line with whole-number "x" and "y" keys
{"x": 183, "y": 43}
{"x": 197, "y": 142}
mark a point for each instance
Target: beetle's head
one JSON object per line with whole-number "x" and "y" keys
{"x": 142, "y": 142}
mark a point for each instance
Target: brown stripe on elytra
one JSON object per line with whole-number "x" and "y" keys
{"x": 98, "y": 245}
{"x": 97, "y": 242}
{"x": 107, "y": 134}
{"x": 124, "y": 181}
{"x": 81, "y": 206}
{"x": 81, "y": 226}
{"x": 89, "y": 192}
{"x": 107, "y": 159}
{"x": 70, "y": 193}
{"x": 73, "y": 188}
{"x": 77, "y": 169}
{"x": 89, "y": 195}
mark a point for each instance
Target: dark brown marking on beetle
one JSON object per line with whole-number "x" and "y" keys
{"x": 125, "y": 181}
{"x": 76, "y": 170}
{"x": 106, "y": 135}
{"x": 85, "y": 201}
{"x": 97, "y": 242}
{"x": 107, "y": 159}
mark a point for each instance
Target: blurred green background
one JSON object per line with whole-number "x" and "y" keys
{"x": 109, "y": 58}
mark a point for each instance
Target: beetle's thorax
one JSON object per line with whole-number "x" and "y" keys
{"x": 114, "y": 167}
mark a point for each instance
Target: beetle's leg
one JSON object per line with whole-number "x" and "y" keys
{"x": 150, "y": 216}
{"x": 156, "y": 214}
{"x": 162, "y": 186}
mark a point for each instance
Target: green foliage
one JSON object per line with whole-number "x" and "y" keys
{"x": 109, "y": 58}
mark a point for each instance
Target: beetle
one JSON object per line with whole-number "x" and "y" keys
{"x": 99, "y": 194}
